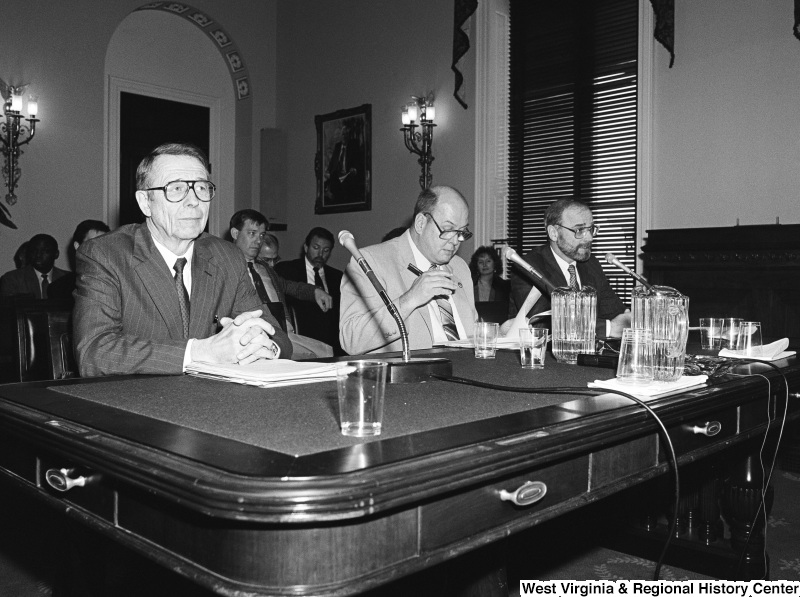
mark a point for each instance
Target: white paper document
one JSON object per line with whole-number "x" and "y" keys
{"x": 267, "y": 373}
{"x": 656, "y": 388}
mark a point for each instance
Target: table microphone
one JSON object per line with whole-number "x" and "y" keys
{"x": 612, "y": 259}
{"x": 513, "y": 256}
{"x": 408, "y": 369}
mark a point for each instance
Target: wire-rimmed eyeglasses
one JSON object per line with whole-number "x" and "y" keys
{"x": 581, "y": 232}
{"x": 177, "y": 190}
{"x": 462, "y": 234}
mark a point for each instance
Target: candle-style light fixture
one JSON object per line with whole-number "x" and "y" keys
{"x": 14, "y": 134}
{"x": 420, "y": 113}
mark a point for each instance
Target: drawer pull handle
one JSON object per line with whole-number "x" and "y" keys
{"x": 62, "y": 479}
{"x": 710, "y": 429}
{"x": 526, "y": 494}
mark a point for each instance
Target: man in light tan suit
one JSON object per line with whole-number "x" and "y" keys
{"x": 150, "y": 297}
{"x": 439, "y": 227}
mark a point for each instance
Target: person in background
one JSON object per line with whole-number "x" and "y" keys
{"x": 436, "y": 303}
{"x": 270, "y": 250}
{"x": 312, "y": 268}
{"x": 21, "y": 256}
{"x": 35, "y": 278}
{"x": 567, "y": 260}
{"x": 488, "y": 286}
{"x": 63, "y": 288}
{"x": 248, "y": 229}
{"x": 151, "y": 297}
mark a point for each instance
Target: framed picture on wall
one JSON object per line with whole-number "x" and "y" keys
{"x": 343, "y": 162}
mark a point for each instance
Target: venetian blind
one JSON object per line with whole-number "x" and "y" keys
{"x": 573, "y": 121}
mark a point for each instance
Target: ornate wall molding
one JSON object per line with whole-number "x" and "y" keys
{"x": 222, "y": 41}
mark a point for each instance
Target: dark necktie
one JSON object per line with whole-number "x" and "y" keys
{"x": 446, "y": 313}
{"x": 573, "y": 278}
{"x": 183, "y": 295}
{"x": 259, "y": 283}
{"x": 45, "y": 284}
{"x": 318, "y": 279}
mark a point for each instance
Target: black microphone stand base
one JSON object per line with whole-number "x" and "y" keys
{"x": 416, "y": 369}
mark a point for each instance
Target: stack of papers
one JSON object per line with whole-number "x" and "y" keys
{"x": 656, "y": 388}
{"x": 508, "y": 343}
{"x": 267, "y": 373}
{"x": 769, "y": 352}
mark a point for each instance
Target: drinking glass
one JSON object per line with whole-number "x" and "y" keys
{"x": 749, "y": 340}
{"x": 635, "y": 364}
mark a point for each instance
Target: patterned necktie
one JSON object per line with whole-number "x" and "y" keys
{"x": 318, "y": 279}
{"x": 573, "y": 278}
{"x": 45, "y": 284}
{"x": 183, "y": 295}
{"x": 446, "y": 313}
{"x": 259, "y": 283}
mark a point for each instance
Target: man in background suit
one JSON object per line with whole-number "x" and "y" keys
{"x": 436, "y": 306}
{"x": 571, "y": 230}
{"x": 248, "y": 229}
{"x": 65, "y": 286}
{"x": 150, "y": 296}
{"x": 34, "y": 278}
{"x": 312, "y": 268}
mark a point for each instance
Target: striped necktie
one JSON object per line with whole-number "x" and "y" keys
{"x": 446, "y": 313}
{"x": 573, "y": 278}
{"x": 183, "y": 295}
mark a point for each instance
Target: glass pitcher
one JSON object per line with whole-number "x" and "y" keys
{"x": 574, "y": 314}
{"x": 665, "y": 312}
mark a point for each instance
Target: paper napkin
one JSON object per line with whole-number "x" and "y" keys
{"x": 769, "y": 352}
{"x": 655, "y": 388}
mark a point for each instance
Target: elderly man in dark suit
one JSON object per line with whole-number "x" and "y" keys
{"x": 150, "y": 296}
{"x": 34, "y": 278}
{"x": 567, "y": 261}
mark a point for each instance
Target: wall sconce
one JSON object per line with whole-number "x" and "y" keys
{"x": 420, "y": 142}
{"x": 14, "y": 134}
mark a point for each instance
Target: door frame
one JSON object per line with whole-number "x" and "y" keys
{"x": 117, "y": 86}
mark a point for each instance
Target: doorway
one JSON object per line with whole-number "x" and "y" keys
{"x": 145, "y": 123}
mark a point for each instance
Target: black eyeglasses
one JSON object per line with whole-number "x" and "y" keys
{"x": 177, "y": 190}
{"x": 462, "y": 234}
{"x": 582, "y": 232}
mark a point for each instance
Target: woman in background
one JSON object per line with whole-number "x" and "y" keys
{"x": 492, "y": 293}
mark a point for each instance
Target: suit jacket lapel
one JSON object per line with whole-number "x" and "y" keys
{"x": 557, "y": 275}
{"x": 33, "y": 282}
{"x": 205, "y": 277}
{"x": 408, "y": 277}
{"x": 157, "y": 281}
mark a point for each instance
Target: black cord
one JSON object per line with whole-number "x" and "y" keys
{"x": 595, "y": 392}
{"x": 768, "y": 477}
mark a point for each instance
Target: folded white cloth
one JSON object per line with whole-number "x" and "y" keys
{"x": 769, "y": 352}
{"x": 655, "y": 388}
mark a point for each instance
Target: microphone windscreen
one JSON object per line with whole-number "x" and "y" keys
{"x": 610, "y": 258}
{"x": 344, "y": 236}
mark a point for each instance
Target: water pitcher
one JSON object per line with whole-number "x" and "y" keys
{"x": 574, "y": 314}
{"x": 665, "y": 312}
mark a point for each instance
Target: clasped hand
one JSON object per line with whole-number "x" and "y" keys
{"x": 242, "y": 340}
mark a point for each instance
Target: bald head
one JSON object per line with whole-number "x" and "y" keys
{"x": 440, "y": 210}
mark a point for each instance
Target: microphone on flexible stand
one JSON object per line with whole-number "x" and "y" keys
{"x": 405, "y": 369}
{"x": 513, "y": 256}
{"x": 612, "y": 259}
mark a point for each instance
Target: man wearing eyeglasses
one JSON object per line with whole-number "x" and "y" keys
{"x": 429, "y": 284}
{"x": 151, "y": 297}
{"x": 567, "y": 261}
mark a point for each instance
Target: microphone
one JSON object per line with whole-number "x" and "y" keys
{"x": 612, "y": 259}
{"x": 513, "y": 256}
{"x": 409, "y": 369}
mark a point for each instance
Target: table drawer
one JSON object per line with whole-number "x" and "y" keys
{"x": 17, "y": 458}
{"x": 459, "y": 516}
{"x": 701, "y": 432}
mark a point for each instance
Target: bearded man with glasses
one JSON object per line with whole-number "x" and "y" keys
{"x": 153, "y": 297}
{"x": 567, "y": 260}
{"x": 429, "y": 284}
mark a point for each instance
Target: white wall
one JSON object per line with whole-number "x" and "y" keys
{"x": 335, "y": 55}
{"x": 727, "y": 116}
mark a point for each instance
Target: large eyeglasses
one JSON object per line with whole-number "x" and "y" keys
{"x": 462, "y": 234}
{"x": 177, "y": 190}
{"x": 582, "y": 232}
